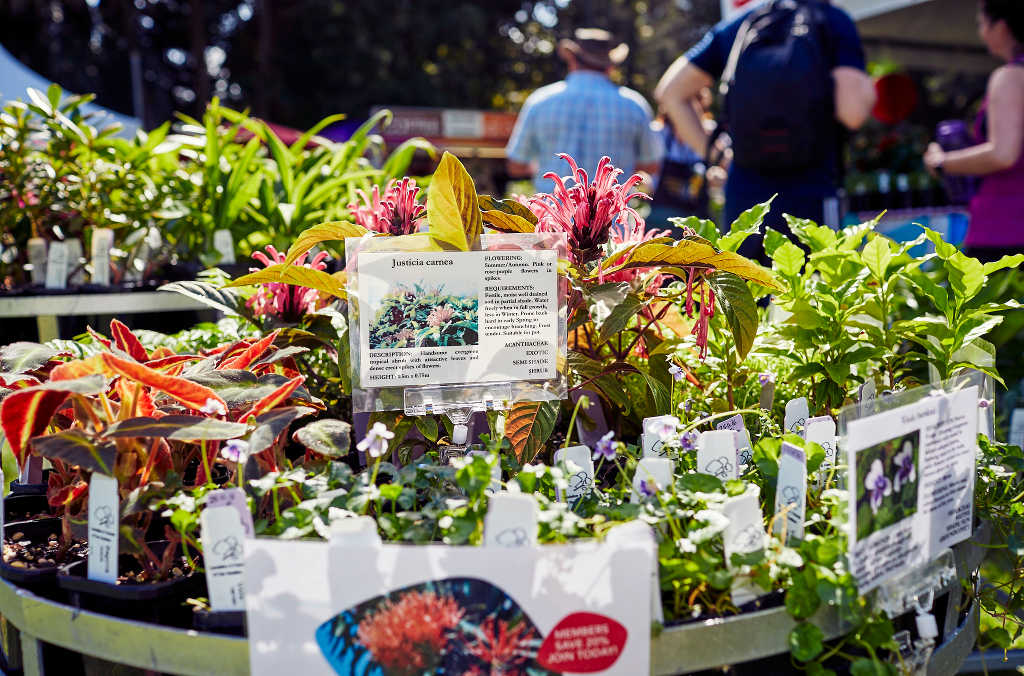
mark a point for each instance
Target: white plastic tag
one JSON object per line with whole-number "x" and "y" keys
{"x": 652, "y": 440}
{"x": 716, "y": 454}
{"x": 511, "y": 521}
{"x": 638, "y": 530}
{"x": 652, "y": 475}
{"x": 57, "y": 266}
{"x": 235, "y": 499}
{"x": 495, "y": 485}
{"x": 224, "y": 244}
{"x": 767, "y": 397}
{"x": 791, "y": 493}
{"x": 224, "y": 557}
{"x": 744, "y": 534}
{"x": 744, "y": 449}
{"x": 75, "y": 270}
{"x": 358, "y": 531}
{"x": 868, "y": 392}
{"x": 104, "y": 529}
{"x": 102, "y": 243}
{"x": 1017, "y": 428}
{"x": 37, "y": 257}
{"x": 822, "y": 431}
{"x": 796, "y": 414}
{"x": 578, "y": 465}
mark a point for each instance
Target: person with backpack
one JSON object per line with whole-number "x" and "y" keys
{"x": 792, "y": 75}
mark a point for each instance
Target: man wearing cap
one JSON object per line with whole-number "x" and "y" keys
{"x": 585, "y": 115}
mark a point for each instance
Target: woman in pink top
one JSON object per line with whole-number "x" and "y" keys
{"x": 997, "y": 210}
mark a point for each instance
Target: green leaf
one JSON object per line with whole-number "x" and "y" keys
{"x": 506, "y": 215}
{"x": 325, "y": 232}
{"x": 1005, "y": 262}
{"x": 876, "y": 256}
{"x": 998, "y": 636}
{"x": 620, "y": 316}
{"x": 180, "y": 427}
{"x": 788, "y": 259}
{"x": 528, "y": 425}
{"x": 660, "y": 394}
{"x": 966, "y": 277}
{"x": 227, "y": 301}
{"x": 23, "y": 356}
{"x": 75, "y": 448}
{"x": 296, "y": 275}
{"x": 329, "y": 437}
{"x": 816, "y": 237}
{"x": 801, "y": 600}
{"x": 773, "y": 239}
{"x": 748, "y": 223}
{"x": 740, "y": 309}
{"x": 271, "y": 424}
{"x": 805, "y": 641}
{"x": 863, "y": 666}
{"x": 237, "y": 387}
{"x": 427, "y": 425}
{"x": 703, "y": 227}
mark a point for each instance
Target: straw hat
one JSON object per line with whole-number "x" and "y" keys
{"x": 595, "y": 47}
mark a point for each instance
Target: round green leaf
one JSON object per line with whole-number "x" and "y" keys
{"x": 805, "y": 641}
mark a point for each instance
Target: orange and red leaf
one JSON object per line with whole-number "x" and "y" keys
{"x": 274, "y": 399}
{"x": 192, "y": 395}
{"x": 251, "y": 354}
{"x": 126, "y": 340}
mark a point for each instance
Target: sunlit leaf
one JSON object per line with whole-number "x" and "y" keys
{"x": 126, "y": 340}
{"x": 250, "y": 354}
{"x": 296, "y": 275}
{"x": 528, "y": 425}
{"x": 507, "y": 215}
{"x": 737, "y": 304}
{"x": 190, "y": 394}
{"x": 23, "y": 356}
{"x": 330, "y": 438}
{"x": 452, "y": 209}
{"x": 325, "y": 232}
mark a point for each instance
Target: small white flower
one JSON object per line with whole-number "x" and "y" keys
{"x": 375, "y": 444}
{"x": 685, "y": 546}
{"x": 445, "y": 522}
{"x": 213, "y": 407}
{"x": 235, "y": 450}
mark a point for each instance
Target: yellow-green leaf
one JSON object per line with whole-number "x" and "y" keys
{"x": 452, "y": 210}
{"x": 507, "y": 215}
{"x": 295, "y": 275}
{"x": 325, "y": 232}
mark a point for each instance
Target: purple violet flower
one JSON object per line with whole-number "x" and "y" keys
{"x": 234, "y": 450}
{"x": 678, "y": 374}
{"x": 904, "y": 462}
{"x": 688, "y": 441}
{"x": 877, "y": 484}
{"x": 765, "y": 378}
{"x": 605, "y": 447}
{"x": 648, "y": 488}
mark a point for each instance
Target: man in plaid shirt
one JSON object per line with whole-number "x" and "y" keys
{"x": 586, "y": 115}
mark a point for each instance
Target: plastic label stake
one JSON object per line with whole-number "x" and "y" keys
{"x": 744, "y": 534}
{"x": 767, "y": 396}
{"x": 716, "y": 454}
{"x": 652, "y": 442}
{"x": 37, "y": 257}
{"x": 495, "y": 485}
{"x": 224, "y": 244}
{"x": 224, "y": 557}
{"x": 656, "y": 471}
{"x": 822, "y": 431}
{"x": 235, "y": 499}
{"x": 638, "y": 530}
{"x": 57, "y": 266}
{"x": 744, "y": 449}
{"x": 355, "y": 532}
{"x": 511, "y": 521}
{"x": 75, "y": 270}
{"x": 867, "y": 396}
{"x": 102, "y": 243}
{"x": 578, "y": 464}
{"x": 1017, "y": 428}
{"x": 104, "y": 528}
{"x": 791, "y": 493}
{"x": 797, "y": 414}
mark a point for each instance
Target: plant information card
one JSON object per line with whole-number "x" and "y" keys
{"x": 911, "y": 488}
{"x": 457, "y": 317}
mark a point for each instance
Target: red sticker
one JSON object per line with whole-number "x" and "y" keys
{"x": 583, "y": 643}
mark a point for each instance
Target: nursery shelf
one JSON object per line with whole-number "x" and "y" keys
{"x": 46, "y": 309}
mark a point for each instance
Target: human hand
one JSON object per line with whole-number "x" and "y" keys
{"x": 934, "y": 158}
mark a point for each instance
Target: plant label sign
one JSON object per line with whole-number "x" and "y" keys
{"x": 224, "y": 244}
{"x": 791, "y": 493}
{"x": 511, "y": 521}
{"x": 911, "y": 487}
{"x": 744, "y": 534}
{"x": 1017, "y": 428}
{"x": 652, "y": 475}
{"x": 104, "y": 530}
{"x": 868, "y": 394}
{"x": 656, "y": 429}
{"x": 37, "y": 259}
{"x": 224, "y": 557}
{"x": 797, "y": 414}
{"x": 235, "y": 499}
{"x": 57, "y": 265}
{"x": 822, "y": 431}
{"x": 100, "y": 246}
{"x": 435, "y": 318}
{"x": 716, "y": 454}
{"x": 578, "y": 464}
{"x": 744, "y": 449}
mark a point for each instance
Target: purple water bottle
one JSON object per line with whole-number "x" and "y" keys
{"x": 954, "y": 135}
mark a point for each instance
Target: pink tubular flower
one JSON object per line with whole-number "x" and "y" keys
{"x": 285, "y": 301}
{"x": 396, "y": 212}
{"x": 586, "y": 211}
{"x": 696, "y": 281}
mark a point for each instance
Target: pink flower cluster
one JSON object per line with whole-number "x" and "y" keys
{"x": 586, "y": 211}
{"x": 396, "y": 212}
{"x": 286, "y": 302}
{"x": 408, "y": 636}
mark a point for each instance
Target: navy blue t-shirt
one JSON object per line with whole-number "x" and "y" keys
{"x": 800, "y": 194}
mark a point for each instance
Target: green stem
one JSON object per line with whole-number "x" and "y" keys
{"x": 716, "y": 416}
{"x": 206, "y": 461}
{"x": 572, "y": 420}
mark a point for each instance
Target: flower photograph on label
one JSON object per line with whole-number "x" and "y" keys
{"x": 887, "y": 481}
{"x": 417, "y": 315}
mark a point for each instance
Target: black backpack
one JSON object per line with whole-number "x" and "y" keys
{"x": 778, "y": 88}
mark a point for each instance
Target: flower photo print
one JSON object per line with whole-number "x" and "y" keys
{"x": 887, "y": 481}
{"x": 422, "y": 316}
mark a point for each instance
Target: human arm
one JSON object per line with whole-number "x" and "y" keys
{"x": 1003, "y": 147}
{"x": 521, "y": 150}
{"x": 854, "y": 96}
{"x": 676, "y": 95}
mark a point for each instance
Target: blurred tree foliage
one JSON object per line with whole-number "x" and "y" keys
{"x": 295, "y": 61}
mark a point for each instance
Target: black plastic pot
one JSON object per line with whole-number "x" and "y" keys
{"x": 231, "y": 622}
{"x": 158, "y": 602}
{"x": 18, "y": 488}
{"x": 41, "y": 581}
{"x": 25, "y": 507}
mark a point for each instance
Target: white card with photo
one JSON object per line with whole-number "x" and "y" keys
{"x": 716, "y": 454}
{"x": 435, "y": 318}
{"x": 104, "y": 528}
{"x": 1017, "y": 428}
{"x": 579, "y": 474}
{"x": 495, "y": 485}
{"x": 652, "y": 476}
{"x": 790, "y": 493}
{"x": 511, "y": 521}
{"x": 653, "y": 437}
{"x": 797, "y": 414}
{"x": 223, "y": 539}
{"x": 911, "y": 487}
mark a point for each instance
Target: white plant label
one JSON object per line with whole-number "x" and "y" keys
{"x": 744, "y": 534}
{"x": 822, "y": 431}
{"x": 102, "y": 243}
{"x": 716, "y": 454}
{"x": 224, "y": 557}
{"x": 511, "y": 521}
{"x": 357, "y": 531}
{"x": 224, "y": 244}
{"x": 652, "y": 476}
{"x": 37, "y": 257}
{"x": 744, "y": 449}
{"x": 652, "y": 440}
{"x": 791, "y": 493}
{"x": 767, "y": 397}
{"x": 911, "y": 487}
{"x": 75, "y": 260}
{"x": 1017, "y": 428}
{"x": 57, "y": 266}
{"x": 495, "y": 485}
{"x": 235, "y": 499}
{"x": 104, "y": 521}
{"x": 638, "y": 530}
{"x": 868, "y": 393}
{"x": 797, "y": 414}
{"x": 578, "y": 464}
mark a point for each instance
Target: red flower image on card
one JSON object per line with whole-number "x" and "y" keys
{"x": 582, "y": 643}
